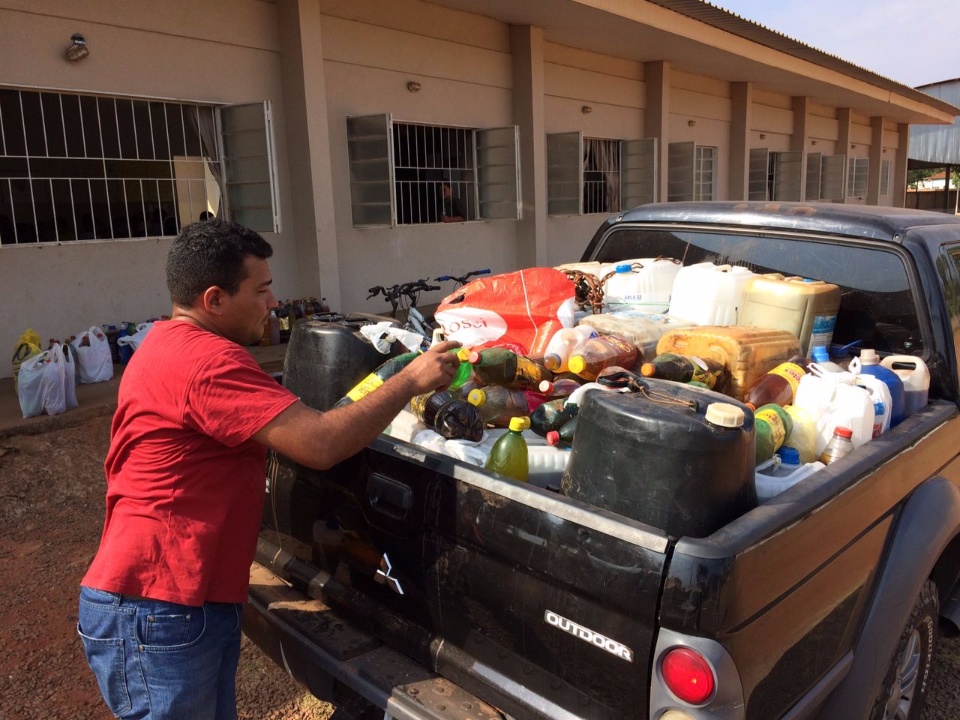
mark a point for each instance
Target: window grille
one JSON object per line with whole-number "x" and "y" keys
{"x": 595, "y": 175}
{"x": 886, "y": 170}
{"x": 79, "y": 167}
{"x": 434, "y": 173}
{"x": 703, "y": 173}
{"x": 857, "y": 172}
{"x": 409, "y": 173}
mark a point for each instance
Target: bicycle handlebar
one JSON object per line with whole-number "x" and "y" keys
{"x": 463, "y": 278}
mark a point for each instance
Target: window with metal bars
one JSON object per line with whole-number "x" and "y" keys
{"x": 857, "y": 176}
{"x": 411, "y": 173}
{"x": 79, "y": 167}
{"x": 601, "y": 175}
{"x": 434, "y": 175}
{"x": 703, "y": 173}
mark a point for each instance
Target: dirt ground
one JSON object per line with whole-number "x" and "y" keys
{"x": 51, "y": 513}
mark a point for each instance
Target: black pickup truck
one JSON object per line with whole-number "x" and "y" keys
{"x": 406, "y": 584}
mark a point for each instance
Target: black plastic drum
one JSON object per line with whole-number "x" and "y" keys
{"x": 326, "y": 357}
{"x": 654, "y": 460}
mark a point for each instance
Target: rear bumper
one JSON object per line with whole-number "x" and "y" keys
{"x": 344, "y": 665}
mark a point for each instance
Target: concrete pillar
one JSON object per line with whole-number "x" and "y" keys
{"x": 844, "y": 116}
{"x": 876, "y": 160}
{"x": 657, "y": 121}
{"x": 898, "y": 183}
{"x": 741, "y": 122}
{"x": 798, "y": 140}
{"x": 526, "y": 46}
{"x": 308, "y": 140}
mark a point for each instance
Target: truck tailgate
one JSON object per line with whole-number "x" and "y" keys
{"x": 544, "y": 606}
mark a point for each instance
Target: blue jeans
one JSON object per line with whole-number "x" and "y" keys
{"x": 157, "y": 660}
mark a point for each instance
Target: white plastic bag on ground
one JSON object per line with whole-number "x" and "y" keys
{"x": 69, "y": 375}
{"x": 93, "y": 354}
{"x": 134, "y": 340}
{"x": 41, "y": 386}
{"x": 382, "y": 335}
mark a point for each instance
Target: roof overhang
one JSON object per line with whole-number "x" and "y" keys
{"x": 699, "y": 38}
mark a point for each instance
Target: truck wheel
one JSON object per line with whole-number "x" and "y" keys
{"x": 905, "y": 685}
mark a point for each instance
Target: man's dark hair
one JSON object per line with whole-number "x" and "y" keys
{"x": 211, "y": 253}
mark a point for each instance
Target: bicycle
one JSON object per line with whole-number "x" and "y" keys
{"x": 403, "y": 299}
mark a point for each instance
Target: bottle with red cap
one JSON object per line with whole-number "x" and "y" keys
{"x": 840, "y": 445}
{"x": 558, "y": 387}
{"x": 563, "y": 438}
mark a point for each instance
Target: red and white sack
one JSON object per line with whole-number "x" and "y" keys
{"x": 520, "y": 310}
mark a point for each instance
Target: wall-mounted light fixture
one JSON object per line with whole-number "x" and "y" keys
{"x": 78, "y": 49}
{"x": 691, "y": 123}
{"x": 763, "y": 136}
{"x": 813, "y": 142}
{"x": 586, "y": 109}
{"x": 413, "y": 86}
{"x": 853, "y": 146}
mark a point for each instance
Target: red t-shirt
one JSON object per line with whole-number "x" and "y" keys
{"x": 185, "y": 482}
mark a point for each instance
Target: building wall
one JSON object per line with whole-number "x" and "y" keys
{"x": 173, "y": 50}
{"x": 463, "y": 64}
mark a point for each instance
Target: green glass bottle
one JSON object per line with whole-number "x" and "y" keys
{"x": 509, "y": 455}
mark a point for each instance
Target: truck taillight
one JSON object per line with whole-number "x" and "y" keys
{"x": 688, "y": 675}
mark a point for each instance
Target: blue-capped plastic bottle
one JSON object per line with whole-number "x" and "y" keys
{"x": 870, "y": 365}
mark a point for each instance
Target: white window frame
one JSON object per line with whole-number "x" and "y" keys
{"x": 691, "y": 168}
{"x": 566, "y": 173}
{"x": 886, "y": 175}
{"x": 373, "y": 177}
{"x": 858, "y": 177}
{"x": 86, "y": 131}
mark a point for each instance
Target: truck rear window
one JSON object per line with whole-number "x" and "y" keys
{"x": 877, "y": 305}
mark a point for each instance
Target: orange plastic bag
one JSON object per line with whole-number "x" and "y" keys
{"x": 519, "y": 310}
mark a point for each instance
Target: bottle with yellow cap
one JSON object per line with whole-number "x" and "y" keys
{"x": 509, "y": 455}
{"x": 602, "y": 352}
{"x": 499, "y": 405}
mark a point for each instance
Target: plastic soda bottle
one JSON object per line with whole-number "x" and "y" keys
{"x": 459, "y": 420}
{"x": 563, "y": 437}
{"x": 840, "y": 445}
{"x": 509, "y": 455}
{"x": 552, "y": 415}
{"x": 681, "y": 368}
{"x": 563, "y": 344}
{"x": 499, "y": 405}
{"x": 499, "y": 366}
{"x": 771, "y": 424}
{"x": 375, "y": 379}
{"x": 778, "y": 386}
{"x": 426, "y": 406}
{"x": 558, "y": 387}
{"x": 601, "y": 352}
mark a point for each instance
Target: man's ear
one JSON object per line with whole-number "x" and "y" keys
{"x": 212, "y": 299}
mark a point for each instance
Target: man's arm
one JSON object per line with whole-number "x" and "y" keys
{"x": 322, "y": 439}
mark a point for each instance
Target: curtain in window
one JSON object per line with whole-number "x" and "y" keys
{"x": 206, "y": 126}
{"x": 601, "y": 162}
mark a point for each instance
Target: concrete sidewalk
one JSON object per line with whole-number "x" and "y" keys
{"x": 96, "y": 399}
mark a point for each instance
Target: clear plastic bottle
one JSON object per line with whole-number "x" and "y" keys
{"x": 558, "y": 388}
{"x": 499, "y": 366}
{"x": 509, "y": 454}
{"x": 565, "y": 343}
{"x": 778, "y": 386}
{"x": 499, "y": 405}
{"x": 839, "y": 446}
{"x": 602, "y": 352}
{"x": 681, "y": 368}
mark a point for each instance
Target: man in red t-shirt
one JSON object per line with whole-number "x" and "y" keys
{"x": 161, "y": 603}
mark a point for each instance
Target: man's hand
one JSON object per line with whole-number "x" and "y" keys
{"x": 434, "y": 369}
